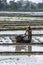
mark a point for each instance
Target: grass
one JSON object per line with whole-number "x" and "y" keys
{"x": 3, "y": 18}
{"x": 14, "y": 15}
{"x": 21, "y": 27}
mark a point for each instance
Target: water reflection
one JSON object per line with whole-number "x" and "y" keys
{"x": 21, "y": 48}
{"x": 37, "y": 48}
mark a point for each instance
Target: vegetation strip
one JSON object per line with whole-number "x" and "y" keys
{"x": 21, "y": 53}
{"x": 16, "y": 43}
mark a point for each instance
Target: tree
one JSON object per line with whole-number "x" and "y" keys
{"x": 33, "y": 6}
{"x": 40, "y": 5}
{"x": 19, "y": 5}
{"x": 13, "y": 5}
{"x": 1, "y": 5}
{"x": 27, "y": 5}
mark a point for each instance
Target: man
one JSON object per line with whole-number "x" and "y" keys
{"x": 27, "y": 36}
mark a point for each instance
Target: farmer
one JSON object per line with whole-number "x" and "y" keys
{"x": 27, "y": 36}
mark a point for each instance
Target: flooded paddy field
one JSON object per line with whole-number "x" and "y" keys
{"x": 8, "y": 37}
{"x": 10, "y": 22}
{"x": 36, "y": 34}
{"x": 21, "y": 60}
{"x": 4, "y": 13}
{"x": 19, "y": 18}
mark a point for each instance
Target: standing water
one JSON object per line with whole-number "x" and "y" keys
{"x": 20, "y": 59}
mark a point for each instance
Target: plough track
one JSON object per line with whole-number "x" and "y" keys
{"x": 21, "y": 53}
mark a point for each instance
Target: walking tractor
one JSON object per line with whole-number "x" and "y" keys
{"x": 25, "y": 38}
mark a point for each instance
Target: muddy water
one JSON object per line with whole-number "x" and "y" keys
{"x": 28, "y": 13}
{"x": 10, "y": 40}
{"x": 21, "y": 32}
{"x": 21, "y": 59}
